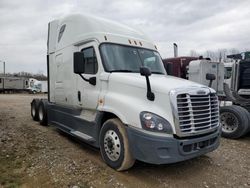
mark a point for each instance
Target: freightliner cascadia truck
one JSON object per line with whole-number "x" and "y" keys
{"x": 107, "y": 87}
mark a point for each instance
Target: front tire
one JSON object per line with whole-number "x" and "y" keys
{"x": 114, "y": 145}
{"x": 234, "y": 120}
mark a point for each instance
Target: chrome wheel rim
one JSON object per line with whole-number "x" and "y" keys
{"x": 40, "y": 113}
{"x": 229, "y": 122}
{"x": 112, "y": 145}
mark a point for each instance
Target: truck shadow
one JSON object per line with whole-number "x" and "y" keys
{"x": 142, "y": 167}
{"x": 246, "y": 137}
{"x": 181, "y": 172}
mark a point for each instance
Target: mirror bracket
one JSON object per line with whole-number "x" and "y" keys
{"x": 91, "y": 80}
{"x": 146, "y": 72}
{"x": 150, "y": 94}
{"x": 210, "y": 77}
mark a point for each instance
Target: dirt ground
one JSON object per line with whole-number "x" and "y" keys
{"x": 36, "y": 156}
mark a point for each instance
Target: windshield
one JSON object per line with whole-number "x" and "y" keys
{"x": 118, "y": 58}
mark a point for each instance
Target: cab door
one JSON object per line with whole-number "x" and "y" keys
{"x": 87, "y": 94}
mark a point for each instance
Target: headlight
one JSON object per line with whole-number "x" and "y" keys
{"x": 155, "y": 123}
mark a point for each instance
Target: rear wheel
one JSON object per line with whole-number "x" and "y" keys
{"x": 42, "y": 112}
{"x": 248, "y": 115}
{"x": 34, "y": 109}
{"x": 114, "y": 145}
{"x": 234, "y": 120}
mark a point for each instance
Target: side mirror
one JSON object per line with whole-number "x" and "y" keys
{"x": 79, "y": 67}
{"x": 210, "y": 76}
{"x": 145, "y": 71}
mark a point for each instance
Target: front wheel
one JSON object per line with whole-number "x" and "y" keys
{"x": 114, "y": 145}
{"x": 234, "y": 120}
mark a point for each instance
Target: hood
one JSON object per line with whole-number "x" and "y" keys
{"x": 159, "y": 83}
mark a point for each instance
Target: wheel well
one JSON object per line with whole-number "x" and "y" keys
{"x": 107, "y": 116}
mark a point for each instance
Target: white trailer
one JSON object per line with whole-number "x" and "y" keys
{"x": 13, "y": 84}
{"x": 107, "y": 87}
{"x": 44, "y": 86}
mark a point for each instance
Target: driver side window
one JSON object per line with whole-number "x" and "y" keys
{"x": 91, "y": 65}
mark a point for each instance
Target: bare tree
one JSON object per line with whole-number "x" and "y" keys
{"x": 193, "y": 53}
{"x": 220, "y": 55}
{"x": 38, "y": 76}
{"x": 233, "y": 51}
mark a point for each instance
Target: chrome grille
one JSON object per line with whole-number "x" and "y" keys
{"x": 197, "y": 113}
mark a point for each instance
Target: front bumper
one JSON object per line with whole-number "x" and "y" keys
{"x": 163, "y": 150}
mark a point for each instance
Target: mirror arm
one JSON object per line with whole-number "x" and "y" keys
{"x": 210, "y": 78}
{"x": 91, "y": 81}
{"x": 150, "y": 94}
{"x": 210, "y": 83}
{"x": 85, "y": 79}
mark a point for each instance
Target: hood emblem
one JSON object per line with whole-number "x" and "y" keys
{"x": 201, "y": 92}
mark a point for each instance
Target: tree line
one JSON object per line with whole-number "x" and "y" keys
{"x": 219, "y": 55}
{"x": 38, "y": 76}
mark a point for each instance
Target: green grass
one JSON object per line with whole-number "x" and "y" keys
{"x": 8, "y": 177}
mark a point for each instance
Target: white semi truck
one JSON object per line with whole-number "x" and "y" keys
{"x": 36, "y": 86}
{"x": 107, "y": 87}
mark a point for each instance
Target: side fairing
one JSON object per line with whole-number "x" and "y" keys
{"x": 62, "y": 78}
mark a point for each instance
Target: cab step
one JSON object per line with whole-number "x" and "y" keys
{"x": 83, "y": 136}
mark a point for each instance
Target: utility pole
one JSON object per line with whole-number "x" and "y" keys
{"x": 3, "y": 80}
{"x": 3, "y": 67}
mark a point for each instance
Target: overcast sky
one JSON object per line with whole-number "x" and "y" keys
{"x": 194, "y": 25}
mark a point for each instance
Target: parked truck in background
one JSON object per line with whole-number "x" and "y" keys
{"x": 36, "y": 86}
{"x": 107, "y": 87}
{"x": 240, "y": 81}
{"x": 230, "y": 81}
{"x": 11, "y": 84}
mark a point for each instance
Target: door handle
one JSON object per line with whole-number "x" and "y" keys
{"x": 79, "y": 96}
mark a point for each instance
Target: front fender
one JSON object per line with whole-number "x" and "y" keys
{"x": 128, "y": 106}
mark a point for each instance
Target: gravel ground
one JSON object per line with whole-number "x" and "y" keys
{"x": 36, "y": 156}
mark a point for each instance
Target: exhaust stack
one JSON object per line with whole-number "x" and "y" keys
{"x": 175, "y": 50}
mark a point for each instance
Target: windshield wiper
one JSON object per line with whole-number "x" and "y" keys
{"x": 122, "y": 70}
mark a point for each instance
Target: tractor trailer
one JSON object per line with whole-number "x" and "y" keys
{"x": 107, "y": 87}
